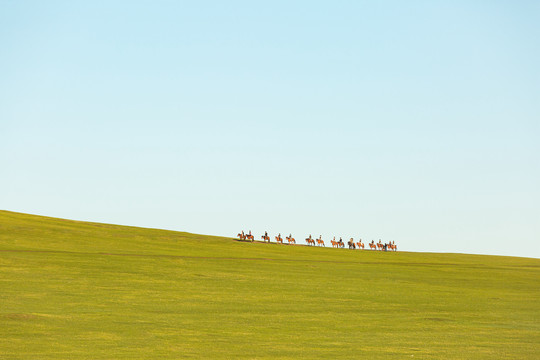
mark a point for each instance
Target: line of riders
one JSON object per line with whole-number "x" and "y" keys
{"x": 319, "y": 242}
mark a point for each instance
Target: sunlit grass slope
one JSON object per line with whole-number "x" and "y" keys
{"x": 76, "y": 290}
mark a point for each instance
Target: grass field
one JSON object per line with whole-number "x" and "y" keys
{"x": 77, "y": 290}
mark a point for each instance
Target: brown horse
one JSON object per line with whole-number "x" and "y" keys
{"x": 351, "y": 244}
{"x": 290, "y": 239}
{"x": 360, "y": 244}
{"x": 372, "y": 245}
{"x": 241, "y": 236}
{"x": 392, "y": 246}
{"x": 279, "y": 240}
{"x": 320, "y": 241}
{"x": 310, "y": 241}
{"x": 265, "y": 238}
{"x": 334, "y": 243}
{"x": 250, "y": 237}
{"x": 380, "y": 245}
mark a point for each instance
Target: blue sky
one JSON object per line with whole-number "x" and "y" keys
{"x": 417, "y": 122}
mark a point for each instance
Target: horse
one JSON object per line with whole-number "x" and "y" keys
{"x": 334, "y": 243}
{"x": 250, "y": 237}
{"x": 372, "y": 245}
{"x": 290, "y": 239}
{"x": 320, "y": 241}
{"x": 241, "y": 236}
{"x": 279, "y": 240}
{"x": 341, "y": 244}
{"x": 392, "y": 246}
{"x": 380, "y": 245}
{"x": 360, "y": 244}
{"x": 265, "y": 238}
{"x": 351, "y": 244}
{"x": 310, "y": 241}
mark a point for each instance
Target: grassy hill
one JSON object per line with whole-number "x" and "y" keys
{"x": 83, "y": 290}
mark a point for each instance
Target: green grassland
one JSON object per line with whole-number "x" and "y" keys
{"x": 78, "y": 290}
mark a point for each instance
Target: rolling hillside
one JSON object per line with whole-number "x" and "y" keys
{"x": 82, "y": 290}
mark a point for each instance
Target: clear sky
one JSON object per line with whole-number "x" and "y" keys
{"x": 411, "y": 121}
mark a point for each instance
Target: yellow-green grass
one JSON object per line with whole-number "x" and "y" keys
{"x": 78, "y": 290}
